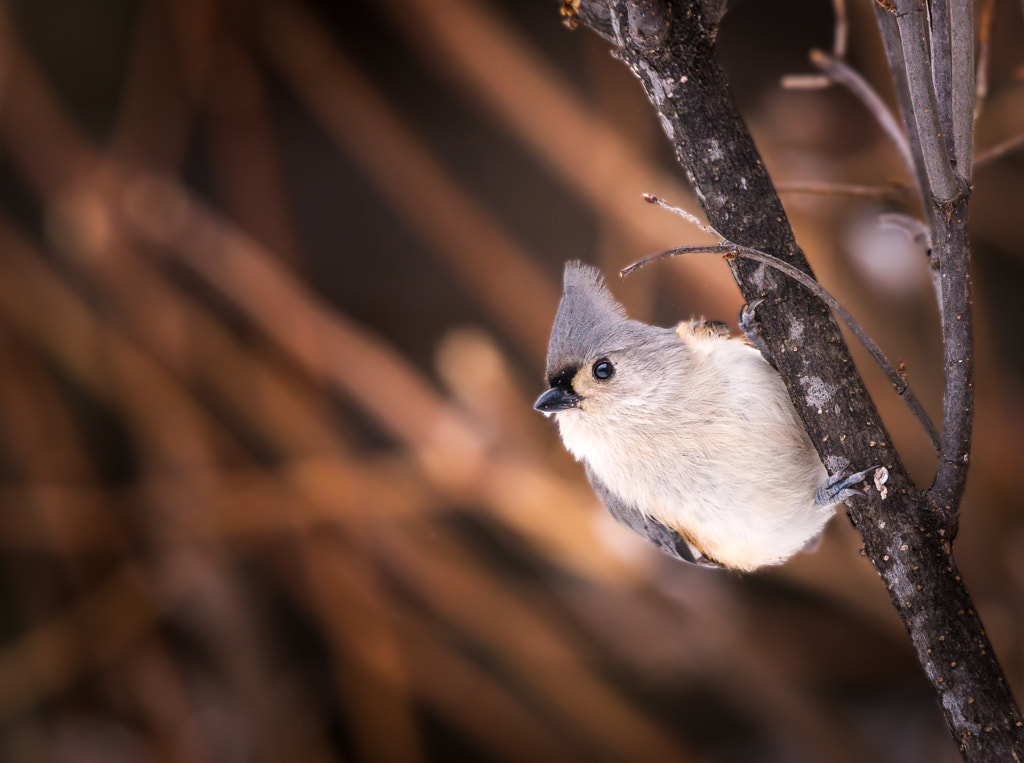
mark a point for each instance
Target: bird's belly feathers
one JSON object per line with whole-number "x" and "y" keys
{"x": 739, "y": 485}
{"x": 742, "y": 512}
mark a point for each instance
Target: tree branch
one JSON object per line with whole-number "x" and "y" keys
{"x": 961, "y": 26}
{"x": 948, "y": 218}
{"x": 897, "y": 67}
{"x": 941, "y": 66}
{"x": 889, "y": 192}
{"x": 949, "y": 239}
{"x": 910, "y": 18}
{"x": 669, "y": 46}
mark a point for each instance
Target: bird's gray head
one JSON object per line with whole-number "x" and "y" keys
{"x": 596, "y": 353}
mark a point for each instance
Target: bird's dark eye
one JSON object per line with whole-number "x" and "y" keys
{"x": 603, "y": 369}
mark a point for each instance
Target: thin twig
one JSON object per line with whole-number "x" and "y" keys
{"x": 891, "y": 191}
{"x": 845, "y": 75}
{"x": 805, "y": 82}
{"x": 841, "y": 29}
{"x": 840, "y": 39}
{"x": 730, "y": 249}
{"x": 650, "y": 198}
{"x": 998, "y": 150}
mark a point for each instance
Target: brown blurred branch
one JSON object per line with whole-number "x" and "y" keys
{"x": 246, "y": 155}
{"x": 451, "y": 220}
{"x": 159, "y": 104}
{"x": 95, "y": 349}
{"x": 888, "y": 192}
{"x": 999, "y": 150}
{"x": 469, "y": 44}
{"x": 48, "y": 659}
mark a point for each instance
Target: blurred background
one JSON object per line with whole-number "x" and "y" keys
{"x": 275, "y": 286}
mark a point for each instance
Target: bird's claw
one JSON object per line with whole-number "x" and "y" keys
{"x": 838, "y": 487}
{"x": 750, "y": 327}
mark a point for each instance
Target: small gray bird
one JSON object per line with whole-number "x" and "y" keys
{"x": 688, "y": 436}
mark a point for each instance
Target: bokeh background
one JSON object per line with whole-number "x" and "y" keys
{"x": 275, "y": 286}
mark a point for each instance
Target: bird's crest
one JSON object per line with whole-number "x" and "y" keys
{"x": 589, "y": 320}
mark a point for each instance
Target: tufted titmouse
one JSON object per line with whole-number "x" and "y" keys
{"x": 688, "y": 436}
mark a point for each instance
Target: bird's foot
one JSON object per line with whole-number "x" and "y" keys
{"x": 750, "y": 327}
{"x": 839, "y": 487}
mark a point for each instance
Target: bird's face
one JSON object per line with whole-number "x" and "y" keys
{"x": 609, "y": 406}
{"x": 579, "y": 386}
{"x": 606, "y": 385}
{"x": 602, "y": 367}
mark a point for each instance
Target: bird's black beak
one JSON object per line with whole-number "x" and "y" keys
{"x": 557, "y": 399}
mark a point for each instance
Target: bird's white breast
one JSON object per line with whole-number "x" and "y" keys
{"x": 715, "y": 451}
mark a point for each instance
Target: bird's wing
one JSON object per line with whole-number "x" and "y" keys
{"x": 665, "y": 538}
